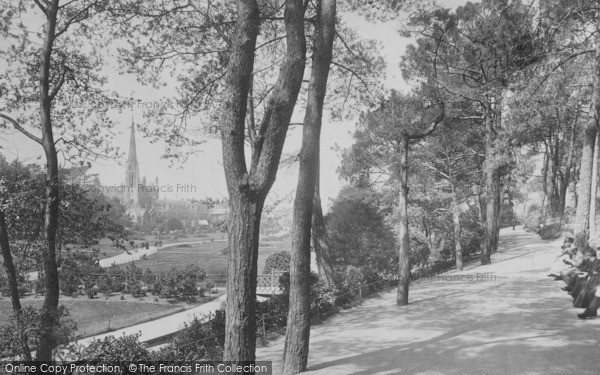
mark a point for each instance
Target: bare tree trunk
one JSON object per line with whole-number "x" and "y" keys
{"x": 545, "y": 168}
{"x": 244, "y": 206}
{"x": 594, "y": 188}
{"x": 497, "y": 211}
{"x": 247, "y": 189}
{"x": 567, "y": 175}
{"x": 244, "y": 226}
{"x": 553, "y": 193}
{"x": 491, "y": 189}
{"x": 584, "y": 186}
{"x": 457, "y": 229}
{"x": 403, "y": 234}
{"x": 49, "y": 312}
{"x": 13, "y": 286}
{"x": 295, "y": 355}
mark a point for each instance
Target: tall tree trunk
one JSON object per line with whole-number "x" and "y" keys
{"x": 457, "y": 229}
{"x": 320, "y": 238}
{"x": 554, "y": 195}
{"x": 545, "y": 168}
{"x": 49, "y": 312}
{"x": 491, "y": 189}
{"x": 244, "y": 227}
{"x": 584, "y": 186}
{"x": 594, "y": 188}
{"x": 13, "y": 286}
{"x": 403, "y": 234}
{"x": 247, "y": 189}
{"x": 482, "y": 213}
{"x": 567, "y": 175}
{"x": 244, "y": 205}
{"x": 295, "y": 355}
{"x": 497, "y": 211}
{"x": 295, "y": 352}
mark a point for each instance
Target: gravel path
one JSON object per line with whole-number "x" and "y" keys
{"x": 503, "y": 318}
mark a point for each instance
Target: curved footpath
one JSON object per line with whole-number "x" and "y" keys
{"x": 156, "y": 330}
{"x": 504, "y": 318}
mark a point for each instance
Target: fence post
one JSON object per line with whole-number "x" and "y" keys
{"x": 360, "y": 292}
{"x": 264, "y": 332}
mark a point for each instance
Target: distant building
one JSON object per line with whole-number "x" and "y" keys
{"x": 218, "y": 215}
{"x": 141, "y": 199}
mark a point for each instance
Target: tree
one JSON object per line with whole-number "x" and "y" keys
{"x": 483, "y": 51}
{"x": 295, "y": 356}
{"x": 47, "y": 72}
{"x": 454, "y": 155}
{"x": 383, "y": 139}
{"x": 11, "y": 274}
{"x": 248, "y": 188}
{"x": 360, "y": 236}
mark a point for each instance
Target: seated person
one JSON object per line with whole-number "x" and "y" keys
{"x": 587, "y": 268}
{"x": 591, "y": 288}
{"x": 571, "y": 265}
{"x": 559, "y": 264}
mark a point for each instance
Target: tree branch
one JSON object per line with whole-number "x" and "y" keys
{"x": 41, "y": 6}
{"x": 431, "y": 127}
{"x": 20, "y": 128}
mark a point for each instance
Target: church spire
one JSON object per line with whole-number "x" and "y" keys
{"x": 132, "y": 159}
{"x": 132, "y": 173}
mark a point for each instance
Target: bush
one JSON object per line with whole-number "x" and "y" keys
{"x": 551, "y": 231}
{"x": 201, "y": 339}
{"x": 105, "y": 285}
{"x": 156, "y": 289}
{"x": 114, "y": 349}
{"x": 22, "y": 289}
{"x": 323, "y": 301}
{"x": 136, "y": 290}
{"x": 9, "y": 342}
{"x": 277, "y": 262}
{"x": 532, "y": 221}
{"x": 360, "y": 236}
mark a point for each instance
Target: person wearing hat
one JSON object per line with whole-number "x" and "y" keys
{"x": 585, "y": 271}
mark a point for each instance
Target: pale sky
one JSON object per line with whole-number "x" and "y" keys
{"x": 203, "y": 174}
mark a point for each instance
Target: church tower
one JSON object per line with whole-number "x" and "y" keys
{"x": 132, "y": 173}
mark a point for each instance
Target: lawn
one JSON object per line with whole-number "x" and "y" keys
{"x": 106, "y": 248}
{"x": 96, "y": 316}
{"x": 206, "y": 255}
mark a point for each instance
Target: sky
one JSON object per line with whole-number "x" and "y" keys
{"x": 202, "y": 174}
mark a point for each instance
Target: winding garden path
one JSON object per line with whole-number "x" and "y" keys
{"x": 503, "y": 318}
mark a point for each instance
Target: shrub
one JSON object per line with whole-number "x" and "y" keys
{"x": 472, "y": 233}
{"x": 156, "y": 288}
{"x": 201, "y": 339}
{"x": 551, "y": 231}
{"x": 69, "y": 276}
{"x": 277, "y": 262}
{"x": 532, "y": 221}
{"x": 360, "y": 236}
{"x": 114, "y": 349}
{"x": 323, "y": 301}
{"x": 105, "y": 285}
{"x": 9, "y": 343}
{"x": 135, "y": 289}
